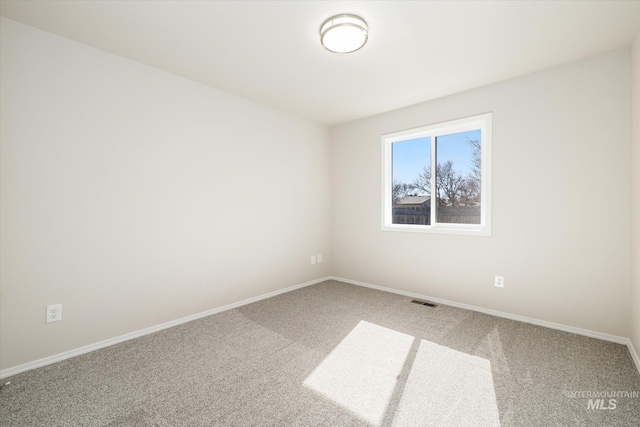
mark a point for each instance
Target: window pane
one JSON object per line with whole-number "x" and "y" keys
{"x": 458, "y": 175}
{"x": 411, "y": 175}
{"x": 437, "y": 178}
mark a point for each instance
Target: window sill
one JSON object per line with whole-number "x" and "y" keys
{"x": 473, "y": 230}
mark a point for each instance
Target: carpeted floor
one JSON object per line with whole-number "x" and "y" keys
{"x": 340, "y": 355}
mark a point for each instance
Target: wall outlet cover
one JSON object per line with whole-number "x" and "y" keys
{"x": 54, "y": 313}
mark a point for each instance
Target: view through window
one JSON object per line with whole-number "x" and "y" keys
{"x": 435, "y": 177}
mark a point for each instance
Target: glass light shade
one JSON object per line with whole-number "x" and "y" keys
{"x": 344, "y": 33}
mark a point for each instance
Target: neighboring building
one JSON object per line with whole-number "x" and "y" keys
{"x": 412, "y": 210}
{"x": 413, "y": 202}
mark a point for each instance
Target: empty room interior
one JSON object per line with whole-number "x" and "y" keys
{"x": 319, "y": 213}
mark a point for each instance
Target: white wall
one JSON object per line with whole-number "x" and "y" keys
{"x": 560, "y": 201}
{"x": 134, "y": 197}
{"x": 635, "y": 195}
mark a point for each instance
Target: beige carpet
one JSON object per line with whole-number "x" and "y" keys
{"x": 338, "y": 355}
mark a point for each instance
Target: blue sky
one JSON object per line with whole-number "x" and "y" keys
{"x": 411, "y": 156}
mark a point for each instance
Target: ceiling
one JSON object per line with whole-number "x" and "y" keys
{"x": 269, "y": 51}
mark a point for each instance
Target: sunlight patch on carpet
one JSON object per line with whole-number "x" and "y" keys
{"x": 448, "y": 387}
{"x": 361, "y": 373}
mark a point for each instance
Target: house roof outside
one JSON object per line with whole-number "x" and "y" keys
{"x": 410, "y": 201}
{"x": 413, "y": 200}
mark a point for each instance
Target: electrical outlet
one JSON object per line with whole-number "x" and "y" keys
{"x": 54, "y": 313}
{"x": 499, "y": 282}
{"x": 313, "y": 259}
{"x": 319, "y": 259}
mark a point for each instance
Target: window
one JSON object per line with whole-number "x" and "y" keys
{"x": 438, "y": 178}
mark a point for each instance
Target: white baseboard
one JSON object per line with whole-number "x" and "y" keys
{"x": 634, "y": 355}
{"x": 96, "y": 346}
{"x": 574, "y": 330}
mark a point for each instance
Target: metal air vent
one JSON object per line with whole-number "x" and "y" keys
{"x": 427, "y": 303}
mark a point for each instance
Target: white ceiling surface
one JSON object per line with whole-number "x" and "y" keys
{"x": 269, "y": 52}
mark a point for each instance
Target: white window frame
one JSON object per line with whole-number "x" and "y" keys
{"x": 480, "y": 122}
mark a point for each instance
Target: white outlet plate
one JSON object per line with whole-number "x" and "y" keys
{"x": 499, "y": 282}
{"x": 54, "y": 313}
{"x": 313, "y": 259}
{"x": 319, "y": 259}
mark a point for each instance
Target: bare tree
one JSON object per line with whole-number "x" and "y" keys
{"x": 469, "y": 191}
{"x": 400, "y": 190}
{"x": 452, "y": 188}
{"x": 422, "y": 183}
{"x": 475, "y": 176}
{"x": 449, "y": 183}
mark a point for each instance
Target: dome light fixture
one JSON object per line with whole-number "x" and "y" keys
{"x": 344, "y": 33}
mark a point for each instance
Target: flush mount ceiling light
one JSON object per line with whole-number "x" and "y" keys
{"x": 344, "y": 33}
